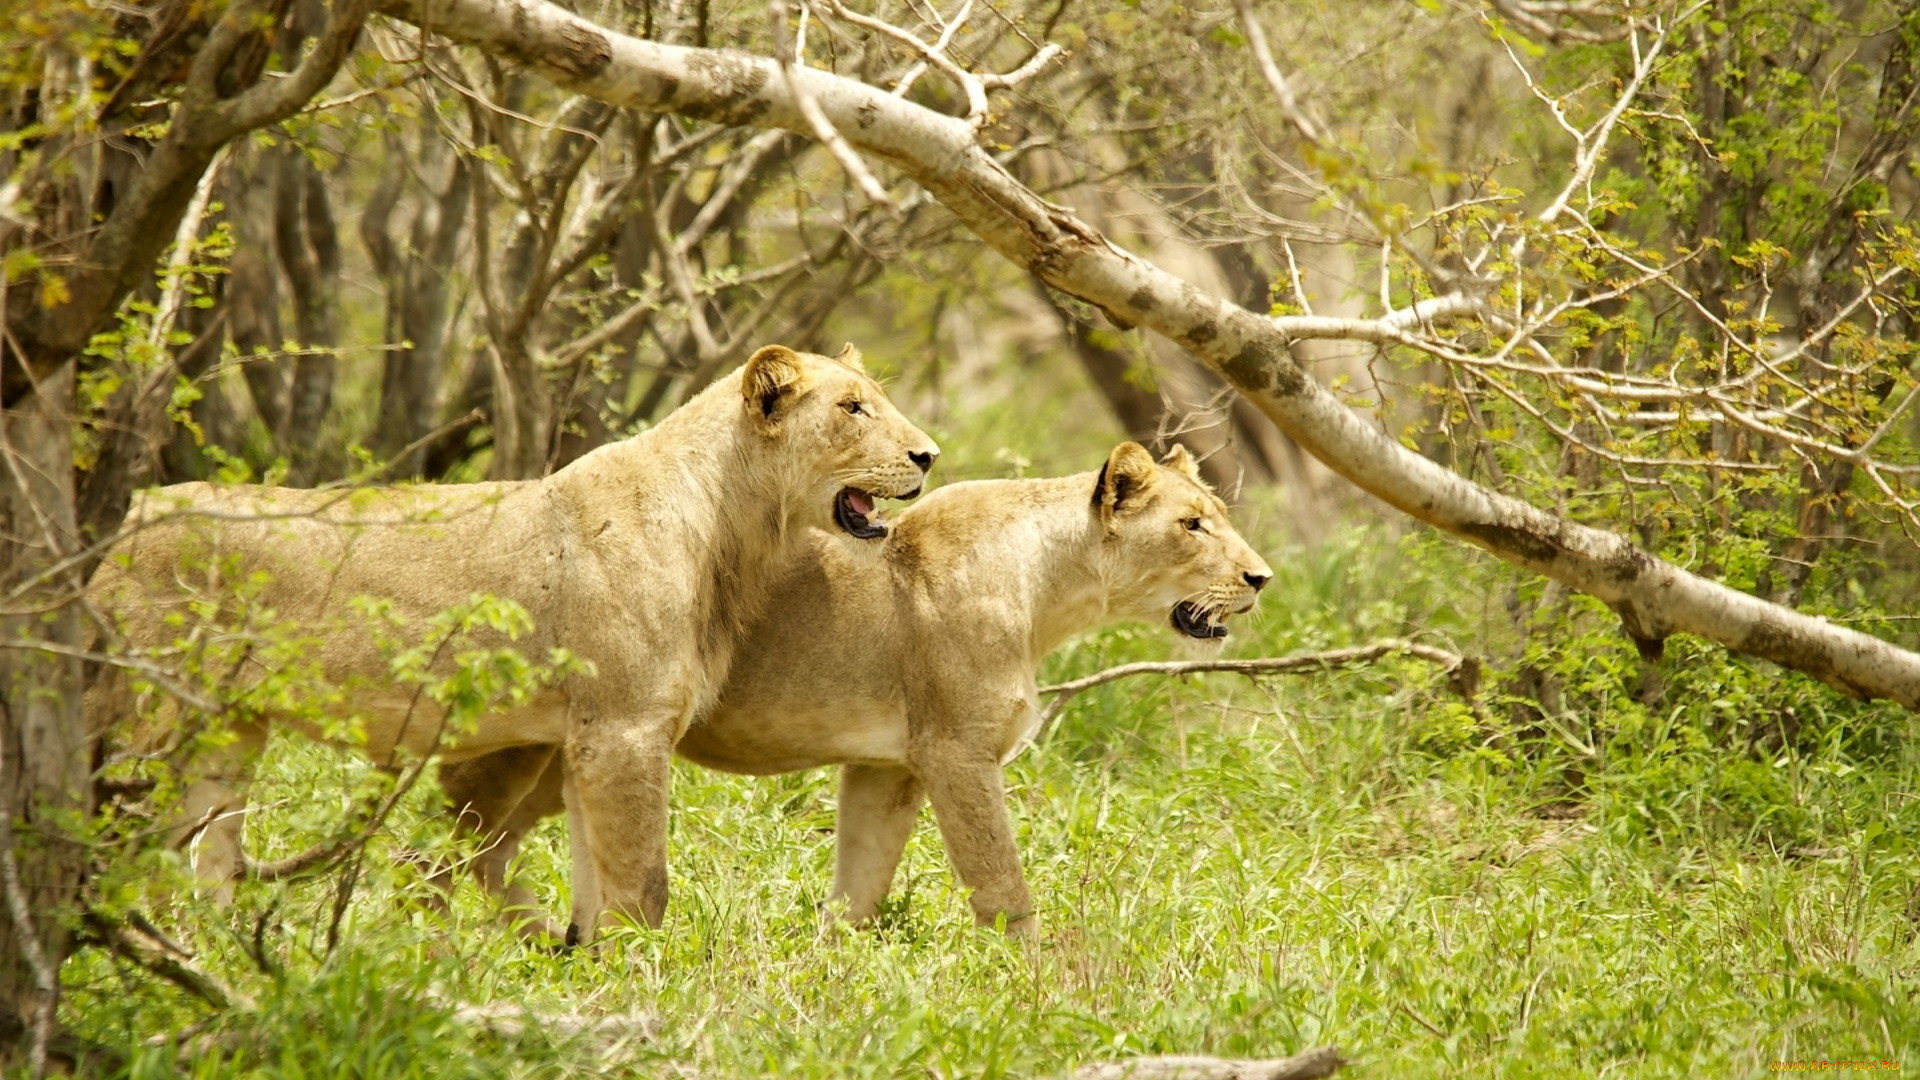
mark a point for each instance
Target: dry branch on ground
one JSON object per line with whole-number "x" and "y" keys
{"x": 1321, "y": 1061}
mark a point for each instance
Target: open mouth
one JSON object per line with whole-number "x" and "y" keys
{"x": 853, "y": 512}
{"x": 1192, "y": 620}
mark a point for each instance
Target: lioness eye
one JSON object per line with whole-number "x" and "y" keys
{"x": 1192, "y": 524}
{"x": 853, "y": 408}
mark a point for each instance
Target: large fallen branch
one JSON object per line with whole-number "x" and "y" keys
{"x": 1463, "y": 673}
{"x": 508, "y": 1020}
{"x": 1315, "y": 1064}
{"x": 1653, "y": 598}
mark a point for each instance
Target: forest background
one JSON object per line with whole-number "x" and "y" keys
{"x": 1647, "y": 267}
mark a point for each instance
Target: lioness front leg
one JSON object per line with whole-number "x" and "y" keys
{"x": 585, "y": 913}
{"x": 616, "y": 794}
{"x": 878, "y": 808}
{"x": 212, "y": 815}
{"x": 970, "y": 805}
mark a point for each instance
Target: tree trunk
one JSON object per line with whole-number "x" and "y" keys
{"x": 44, "y": 761}
{"x": 1138, "y": 409}
{"x": 43, "y": 745}
{"x": 1191, "y": 405}
{"x": 521, "y": 408}
{"x": 253, "y": 291}
{"x": 308, "y": 245}
{"x": 1653, "y": 598}
{"x": 417, "y": 309}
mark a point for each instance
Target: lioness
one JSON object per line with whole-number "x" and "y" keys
{"x": 647, "y": 557}
{"x": 915, "y": 672}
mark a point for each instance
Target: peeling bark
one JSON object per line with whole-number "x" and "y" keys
{"x": 1251, "y": 351}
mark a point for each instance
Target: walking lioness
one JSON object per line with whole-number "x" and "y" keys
{"x": 915, "y": 671}
{"x": 647, "y": 557}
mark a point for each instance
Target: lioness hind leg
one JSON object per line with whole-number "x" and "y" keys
{"x": 212, "y": 815}
{"x": 878, "y": 808}
{"x": 545, "y": 800}
{"x": 501, "y": 796}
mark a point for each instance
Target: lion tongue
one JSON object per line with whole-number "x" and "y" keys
{"x": 859, "y": 502}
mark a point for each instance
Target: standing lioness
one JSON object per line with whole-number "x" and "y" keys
{"x": 915, "y": 671}
{"x": 647, "y": 558}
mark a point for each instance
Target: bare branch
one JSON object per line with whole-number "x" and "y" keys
{"x": 1290, "y": 107}
{"x": 45, "y": 978}
{"x": 174, "y": 287}
{"x": 1047, "y": 54}
{"x": 822, "y": 127}
{"x": 1302, "y": 664}
{"x": 1390, "y": 328}
{"x": 1533, "y": 17}
{"x": 274, "y": 100}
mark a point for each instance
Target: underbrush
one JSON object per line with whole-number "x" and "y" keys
{"x": 1593, "y": 868}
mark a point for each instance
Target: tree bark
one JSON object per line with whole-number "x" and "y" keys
{"x": 1652, "y": 597}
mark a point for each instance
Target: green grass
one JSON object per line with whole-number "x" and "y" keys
{"x": 1221, "y": 867}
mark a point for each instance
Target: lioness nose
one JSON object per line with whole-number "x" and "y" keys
{"x": 923, "y": 458}
{"x": 1258, "y": 581}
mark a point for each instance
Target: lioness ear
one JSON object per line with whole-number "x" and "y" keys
{"x": 1182, "y": 462}
{"x": 1128, "y": 471}
{"x": 850, "y": 357}
{"x": 770, "y": 375}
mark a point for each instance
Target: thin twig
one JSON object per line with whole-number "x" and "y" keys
{"x": 45, "y": 978}
{"x": 1421, "y": 1020}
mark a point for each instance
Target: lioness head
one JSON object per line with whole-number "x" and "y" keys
{"x": 838, "y": 428}
{"x": 1172, "y": 552}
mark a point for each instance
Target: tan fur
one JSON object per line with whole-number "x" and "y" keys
{"x": 646, "y": 557}
{"x": 915, "y": 672}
